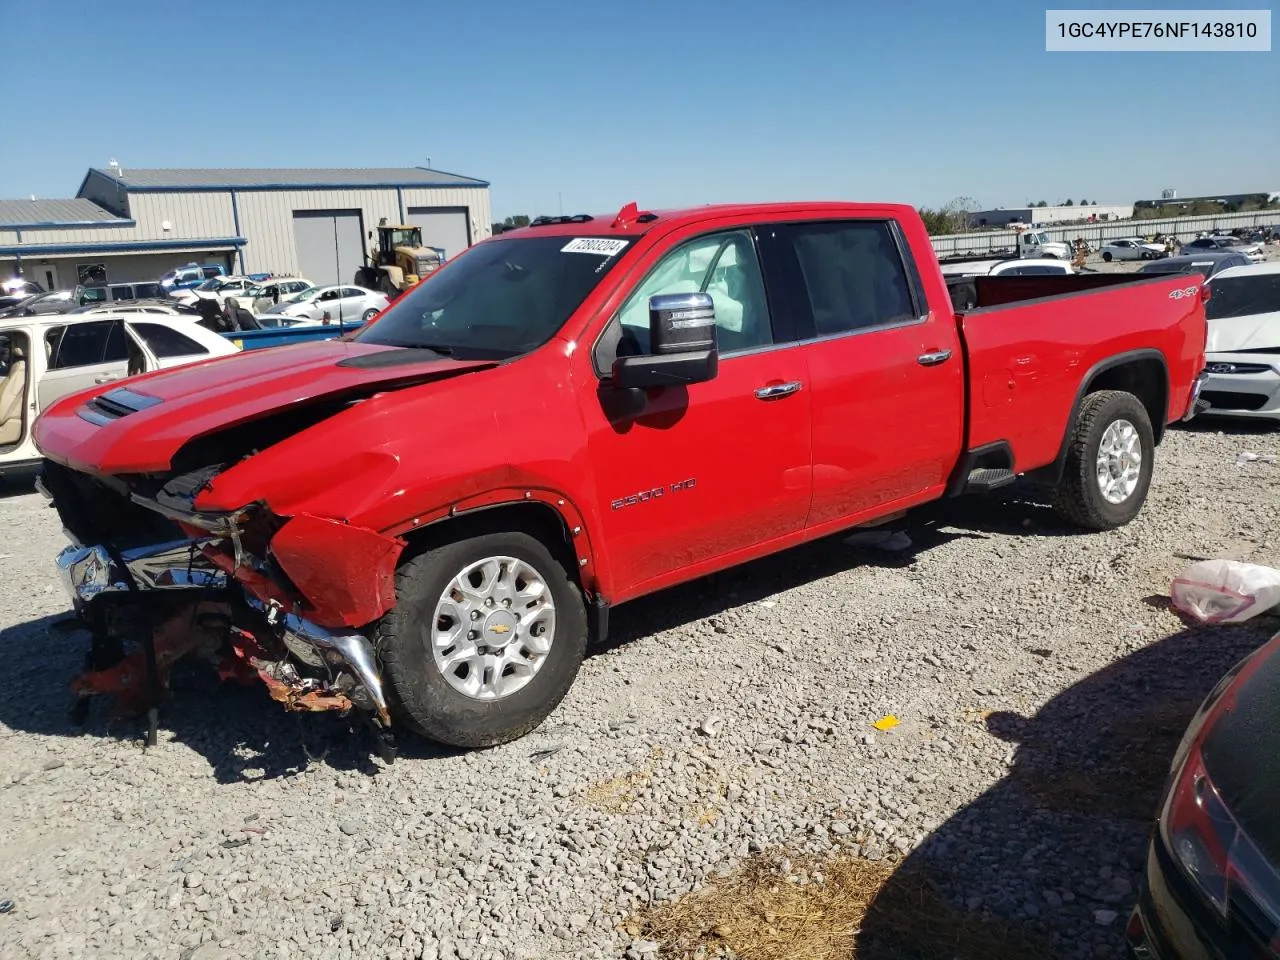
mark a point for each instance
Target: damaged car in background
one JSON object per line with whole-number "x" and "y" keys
{"x": 424, "y": 521}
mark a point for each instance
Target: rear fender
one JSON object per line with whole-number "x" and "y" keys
{"x": 1100, "y": 377}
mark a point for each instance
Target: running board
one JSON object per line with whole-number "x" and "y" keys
{"x": 985, "y": 479}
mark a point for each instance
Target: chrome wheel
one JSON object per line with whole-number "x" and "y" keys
{"x": 1119, "y": 462}
{"x": 493, "y": 628}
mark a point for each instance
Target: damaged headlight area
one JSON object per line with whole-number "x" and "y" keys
{"x": 260, "y": 597}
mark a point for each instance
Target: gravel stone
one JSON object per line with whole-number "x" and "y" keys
{"x": 543, "y": 847}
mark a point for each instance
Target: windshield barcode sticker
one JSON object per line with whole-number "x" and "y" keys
{"x": 598, "y": 245}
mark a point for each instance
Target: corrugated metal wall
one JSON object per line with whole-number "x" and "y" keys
{"x": 266, "y": 219}
{"x": 475, "y": 199}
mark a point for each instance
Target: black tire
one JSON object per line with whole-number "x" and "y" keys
{"x": 367, "y": 277}
{"x": 420, "y": 696}
{"x": 386, "y": 286}
{"x": 1107, "y": 256}
{"x": 1078, "y": 498}
{"x": 369, "y": 315}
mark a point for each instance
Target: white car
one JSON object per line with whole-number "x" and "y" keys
{"x": 341, "y": 303}
{"x": 267, "y": 294}
{"x": 1007, "y": 268}
{"x": 45, "y": 358}
{"x": 1131, "y": 248}
{"x": 167, "y": 308}
{"x": 217, "y": 289}
{"x": 1242, "y": 354}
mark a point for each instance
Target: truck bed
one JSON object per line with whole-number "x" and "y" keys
{"x": 1034, "y": 343}
{"x": 970, "y": 293}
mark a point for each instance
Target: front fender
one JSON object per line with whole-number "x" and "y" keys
{"x": 593, "y": 567}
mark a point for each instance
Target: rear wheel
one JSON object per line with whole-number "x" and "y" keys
{"x": 385, "y": 285}
{"x": 485, "y": 640}
{"x": 1107, "y": 256}
{"x": 1109, "y": 461}
{"x": 369, "y": 315}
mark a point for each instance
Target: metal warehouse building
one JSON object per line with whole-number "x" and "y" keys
{"x": 134, "y": 225}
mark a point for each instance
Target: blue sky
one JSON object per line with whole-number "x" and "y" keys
{"x": 665, "y": 102}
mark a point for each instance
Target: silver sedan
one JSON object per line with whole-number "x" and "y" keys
{"x": 341, "y": 303}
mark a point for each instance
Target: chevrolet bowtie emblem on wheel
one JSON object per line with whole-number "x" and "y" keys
{"x": 500, "y": 628}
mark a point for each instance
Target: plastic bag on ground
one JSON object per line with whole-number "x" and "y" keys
{"x": 1226, "y": 591}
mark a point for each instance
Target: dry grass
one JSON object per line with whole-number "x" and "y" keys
{"x": 761, "y": 912}
{"x": 618, "y": 794}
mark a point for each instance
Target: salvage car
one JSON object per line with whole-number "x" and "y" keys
{"x": 1131, "y": 248}
{"x": 1242, "y": 354}
{"x": 45, "y": 358}
{"x": 1212, "y": 884}
{"x": 425, "y": 520}
{"x": 1206, "y": 264}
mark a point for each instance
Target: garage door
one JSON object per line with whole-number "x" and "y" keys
{"x": 446, "y": 227}
{"x": 330, "y": 244}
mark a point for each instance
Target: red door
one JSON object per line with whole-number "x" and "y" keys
{"x": 886, "y": 377}
{"x": 714, "y": 469}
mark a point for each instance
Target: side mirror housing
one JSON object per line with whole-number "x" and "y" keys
{"x": 682, "y": 344}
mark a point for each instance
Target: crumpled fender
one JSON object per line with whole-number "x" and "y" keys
{"x": 346, "y": 574}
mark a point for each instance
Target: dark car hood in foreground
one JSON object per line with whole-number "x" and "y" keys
{"x": 1242, "y": 751}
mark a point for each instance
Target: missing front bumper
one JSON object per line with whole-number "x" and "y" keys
{"x": 182, "y": 568}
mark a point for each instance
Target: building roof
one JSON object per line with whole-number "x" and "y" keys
{"x": 180, "y": 180}
{"x": 55, "y": 213}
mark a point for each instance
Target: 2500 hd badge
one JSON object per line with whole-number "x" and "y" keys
{"x": 645, "y": 496}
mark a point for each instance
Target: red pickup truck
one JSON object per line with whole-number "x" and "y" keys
{"x": 427, "y": 520}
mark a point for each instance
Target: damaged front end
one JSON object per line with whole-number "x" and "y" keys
{"x": 261, "y": 597}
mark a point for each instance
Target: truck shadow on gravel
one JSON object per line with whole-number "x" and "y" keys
{"x": 1052, "y": 855}
{"x": 239, "y": 730}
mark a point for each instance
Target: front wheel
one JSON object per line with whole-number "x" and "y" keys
{"x": 486, "y": 638}
{"x": 1109, "y": 461}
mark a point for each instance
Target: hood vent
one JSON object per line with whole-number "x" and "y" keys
{"x": 114, "y": 405}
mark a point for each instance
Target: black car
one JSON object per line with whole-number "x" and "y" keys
{"x": 1207, "y": 263}
{"x": 1212, "y": 887}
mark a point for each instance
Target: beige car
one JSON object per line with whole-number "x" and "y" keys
{"x": 45, "y": 358}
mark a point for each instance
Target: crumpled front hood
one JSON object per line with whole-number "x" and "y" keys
{"x": 137, "y": 426}
{"x": 1233, "y": 334}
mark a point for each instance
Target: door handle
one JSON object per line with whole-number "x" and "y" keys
{"x": 934, "y": 358}
{"x": 776, "y": 390}
{"x": 109, "y": 378}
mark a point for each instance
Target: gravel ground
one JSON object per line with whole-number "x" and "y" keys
{"x": 1040, "y": 678}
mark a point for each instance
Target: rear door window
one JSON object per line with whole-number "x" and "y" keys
{"x": 85, "y": 344}
{"x": 167, "y": 342}
{"x": 841, "y": 276}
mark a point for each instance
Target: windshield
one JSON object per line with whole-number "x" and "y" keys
{"x": 1037, "y": 238}
{"x": 499, "y": 299}
{"x": 405, "y": 238}
{"x": 1244, "y": 296}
